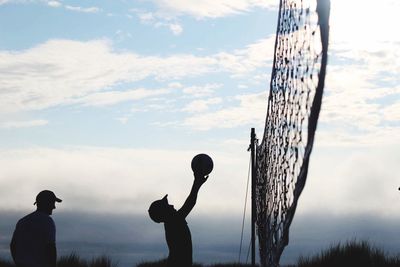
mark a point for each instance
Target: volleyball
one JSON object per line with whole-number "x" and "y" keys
{"x": 202, "y": 164}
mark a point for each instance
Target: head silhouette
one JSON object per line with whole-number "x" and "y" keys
{"x": 45, "y": 201}
{"x": 160, "y": 210}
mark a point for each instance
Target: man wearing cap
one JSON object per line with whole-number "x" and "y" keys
{"x": 34, "y": 240}
{"x": 177, "y": 233}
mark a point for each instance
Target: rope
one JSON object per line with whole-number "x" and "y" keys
{"x": 244, "y": 211}
{"x": 248, "y": 253}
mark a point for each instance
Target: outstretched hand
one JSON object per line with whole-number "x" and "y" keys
{"x": 200, "y": 178}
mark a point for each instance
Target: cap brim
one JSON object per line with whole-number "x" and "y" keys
{"x": 58, "y": 200}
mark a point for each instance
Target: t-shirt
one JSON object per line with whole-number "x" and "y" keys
{"x": 31, "y": 236}
{"x": 179, "y": 242}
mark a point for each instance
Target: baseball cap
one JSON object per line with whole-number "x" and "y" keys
{"x": 46, "y": 196}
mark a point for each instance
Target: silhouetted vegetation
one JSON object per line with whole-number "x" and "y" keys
{"x": 353, "y": 253}
{"x": 350, "y": 254}
{"x": 74, "y": 260}
{"x": 163, "y": 263}
{"x": 159, "y": 263}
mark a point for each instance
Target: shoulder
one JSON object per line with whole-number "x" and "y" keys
{"x": 26, "y": 218}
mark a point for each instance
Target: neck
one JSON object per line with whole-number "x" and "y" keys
{"x": 43, "y": 210}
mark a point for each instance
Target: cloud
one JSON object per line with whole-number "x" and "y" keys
{"x": 361, "y": 84}
{"x": 83, "y": 9}
{"x": 176, "y": 29}
{"x": 54, "y": 3}
{"x": 175, "y": 85}
{"x": 23, "y": 124}
{"x": 158, "y": 20}
{"x": 255, "y": 56}
{"x": 201, "y": 105}
{"x": 83, "y": 177}
{"x": 392, "y": 112}
{"x": 123, "y": 120}
{"x": 60, "y": 72}
{"x": 251, "y": 110}
{"x": 347, "y": 181}
{"x": 201, "y": 91}
{"x": 210, "y": 9}
{"x": 362, "y": 78}
{"x": 114, "y": 97}
{"x": 374, "y": 22}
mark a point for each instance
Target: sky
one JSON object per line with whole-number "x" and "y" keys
{"x": 106, "y": 103}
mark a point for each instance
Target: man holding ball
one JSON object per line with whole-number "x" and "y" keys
{"x": 177, "y": 233}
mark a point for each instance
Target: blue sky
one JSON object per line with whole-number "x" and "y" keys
{"x": 106, "y": 102}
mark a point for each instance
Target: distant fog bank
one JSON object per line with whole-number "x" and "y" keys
{"x": 130, "y": 239}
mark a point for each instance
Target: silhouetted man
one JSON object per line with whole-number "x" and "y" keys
{"x": 34, "y": 240}
{"x": 177, "y": 232}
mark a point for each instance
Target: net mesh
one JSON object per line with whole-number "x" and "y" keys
{"x": 294, "y": 102}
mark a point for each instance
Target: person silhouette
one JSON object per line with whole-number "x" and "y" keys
{"x": 33, "y": 243}
{"x": 177, "y": 232}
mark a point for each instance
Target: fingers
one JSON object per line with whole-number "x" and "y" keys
{"x": 200, "y": 177}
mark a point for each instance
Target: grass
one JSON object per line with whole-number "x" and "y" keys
{"x": 163, "y": 263}
{"x": 73, "y": 260}
{"x": 350, "y": 254}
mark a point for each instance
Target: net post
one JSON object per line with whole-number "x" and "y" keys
{"x": 253, "y": 196}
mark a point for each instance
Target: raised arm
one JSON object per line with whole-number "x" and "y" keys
{"x": 187, "y": 207}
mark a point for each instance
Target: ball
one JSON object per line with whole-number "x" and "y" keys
{"x": 202, "y": 164}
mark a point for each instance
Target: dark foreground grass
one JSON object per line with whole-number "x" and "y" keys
{"x": 163, "y": 263}
{"x": 350, "y": 254}
{"x": 73, "y": 260}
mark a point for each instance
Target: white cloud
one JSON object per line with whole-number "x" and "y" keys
{"x": 200, "y": 91}
{"x": 54, "y": 3}
{"x": 392, "y": 112}
{"x": 83, "y": 177}
{"x": 145, "y": 17}
{"x": 176, "y": 29}
{"x": 251, "y": 110}
{"x": 23, "y": 124}
{"x": 359, "y": 85}
{"x": 353, "y": 181}
{"x": 175, "y": 85}
{"x": 114, "y": 97}
{"x": 201, "y": 105}
{"x": 123, "y": 120}
{"x": 83, "y": 9}
{"x": 359, "y": 181}
{"x": 61, "y": 72}
{"x": 209, "y": 8}
{"x": 360, "y": 22}
{"x": 363, "y": 75}
{"x": 255, "y": 56}
{"x": 158, "y": 20}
